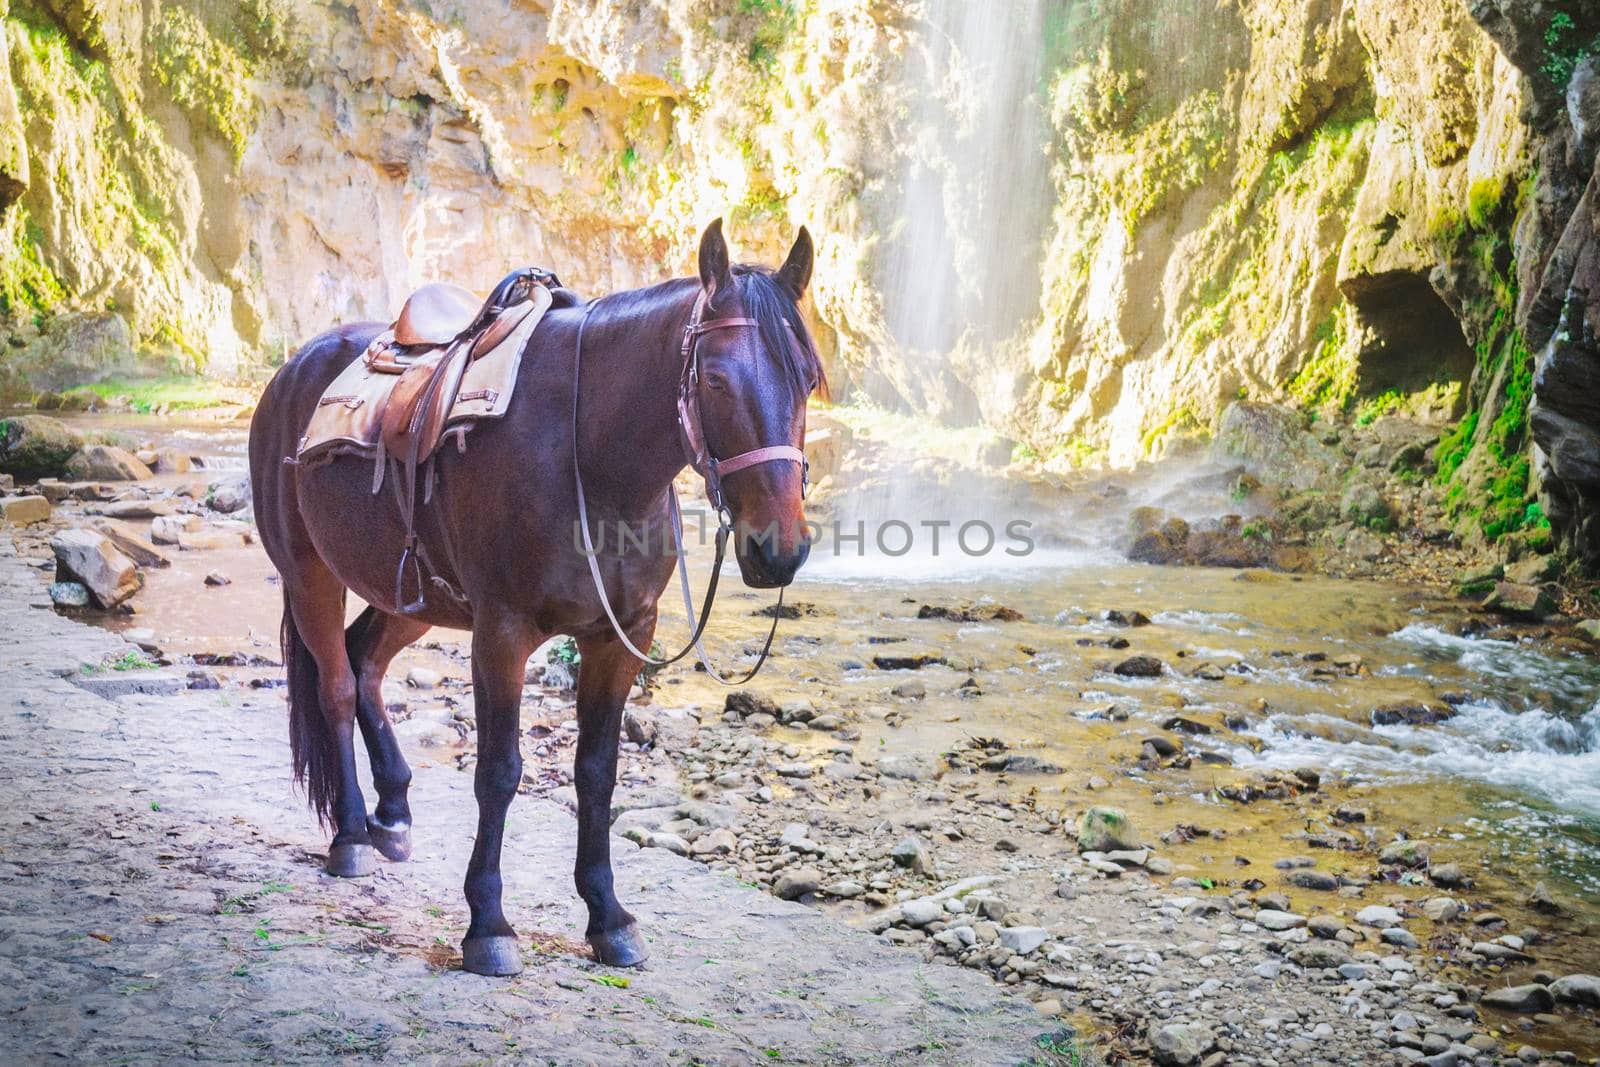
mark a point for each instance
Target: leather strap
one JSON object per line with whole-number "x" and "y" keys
{"x": 505, "y": 309}
{"x": 747, "y": 459}
{"x": 691, "y": 427}
{"x": 769, "y": 454}
{"x": 677, "y": 535}
{"x": 446, "y": 377}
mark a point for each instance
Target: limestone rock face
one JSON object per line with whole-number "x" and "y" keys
{"x": 1557, "y": 247}
{"x": 1087, "y": 246}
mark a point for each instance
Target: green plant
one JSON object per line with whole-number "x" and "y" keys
{"x": 1328, "y": 378}
{"x": 776, "y": 20}
{"x": 1175, "y": 422}
{"x": 205, "y": 76}
{"x": 1373, "y": 408}
{"x": 131, "y": 660}
{"x": 1563, "y": 51}
{"x": 1023, "y": 453}
{"x": 1063, "y": 1048}
{"x": 565, "y": 653}
{"x": 1484, "y": 197}
{"x": 27, "y": 285}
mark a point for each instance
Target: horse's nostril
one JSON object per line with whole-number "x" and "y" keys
{"x": 778, "y": 566}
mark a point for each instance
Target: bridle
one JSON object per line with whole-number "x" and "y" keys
{"x": 691, "y": 430}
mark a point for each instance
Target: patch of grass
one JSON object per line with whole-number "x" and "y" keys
{"x": 241, "y": 902}
{"x": 147, "y": 395}
{"x": 1062, "y": 1048}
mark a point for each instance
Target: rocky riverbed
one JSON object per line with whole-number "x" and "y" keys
{"x": 1198, "y": 814}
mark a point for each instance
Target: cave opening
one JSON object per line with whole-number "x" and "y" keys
{"x": 1411, "y": 338}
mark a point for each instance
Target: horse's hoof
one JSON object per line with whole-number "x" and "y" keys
{"x": 352, "y": 860}
{"x": 619, "y": 948}
{"x": 394, "y": 844}
{"x": 496, "y": 957}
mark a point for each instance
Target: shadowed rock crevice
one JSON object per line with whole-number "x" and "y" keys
{"x": 1413, "y": 339}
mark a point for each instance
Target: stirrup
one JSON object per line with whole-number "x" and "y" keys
{"x": 409, "y": 555}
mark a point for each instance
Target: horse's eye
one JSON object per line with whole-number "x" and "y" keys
{"x": 716, "y": 381}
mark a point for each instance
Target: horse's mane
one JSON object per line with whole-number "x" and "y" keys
{"x": 765, "y": 299}
{"x": 776, "y": 314}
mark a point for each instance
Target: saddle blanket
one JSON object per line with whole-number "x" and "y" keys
{"x": 349, "y": 416}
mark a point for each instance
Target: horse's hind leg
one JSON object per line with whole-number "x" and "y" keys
{"x": 322, "y": 713}
{"x": 372, "y": 642}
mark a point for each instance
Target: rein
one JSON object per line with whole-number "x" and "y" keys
{"x": 710, "y": 468}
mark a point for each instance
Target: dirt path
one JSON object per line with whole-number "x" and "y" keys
{"x": 161, "y": 897}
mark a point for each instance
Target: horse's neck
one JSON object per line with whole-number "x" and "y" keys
{"x": 628, "y": 412}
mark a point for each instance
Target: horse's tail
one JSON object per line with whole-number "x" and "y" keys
{"x": 310, "y": 739}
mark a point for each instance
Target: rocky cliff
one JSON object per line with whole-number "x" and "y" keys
{"x": 1092, "y": 224}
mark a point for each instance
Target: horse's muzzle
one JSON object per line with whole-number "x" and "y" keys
{"x": 764, "y": 565}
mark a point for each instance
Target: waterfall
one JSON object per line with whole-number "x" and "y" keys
{"x": 959, "y": 269}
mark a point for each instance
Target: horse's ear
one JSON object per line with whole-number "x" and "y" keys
{"x": 714, "y": 273}
{"x": 795, "y": 274}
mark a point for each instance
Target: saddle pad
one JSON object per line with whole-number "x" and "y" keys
{"x": 348, "y": 418}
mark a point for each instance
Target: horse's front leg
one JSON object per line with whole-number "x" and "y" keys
{"x": 499, "y": 653}
{"x": 607, "y": 673}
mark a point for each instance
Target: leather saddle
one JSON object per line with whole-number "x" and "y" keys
{"x": 441, "y": 330}
{"x": 447, "y": 362}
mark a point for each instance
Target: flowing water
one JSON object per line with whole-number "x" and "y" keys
{"x": 1264, "y": 663}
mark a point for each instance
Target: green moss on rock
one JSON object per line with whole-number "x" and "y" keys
{"x": 205, "y": 76}
{"x": 28, "y": 287}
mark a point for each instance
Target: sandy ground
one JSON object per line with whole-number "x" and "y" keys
{"x": 161, "y": 897}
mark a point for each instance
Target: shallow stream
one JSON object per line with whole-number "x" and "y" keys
{"x": 1270, "y": 672}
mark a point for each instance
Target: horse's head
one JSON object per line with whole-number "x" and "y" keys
{"x": 749, "y": 383}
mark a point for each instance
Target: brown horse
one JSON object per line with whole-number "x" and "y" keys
{"x": 498, "y": 541}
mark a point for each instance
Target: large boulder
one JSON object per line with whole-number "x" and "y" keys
{"x": 1519, "y": 601}
{"x": 129, "y": 543}
{"x": 1180, "y": 1044}
{"x": 1520, "y": 999}
{"x": 36, "y": 446}
{"x": 91, "y": 559}
{"x": 73, "y": 347}
{"x": 1273, "y": 438}
{"x": 1577, "y": 989}
{"x": 1106, "y": 830}
{"x": 107, "y": 463}
{"x": 23, "y": 510}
